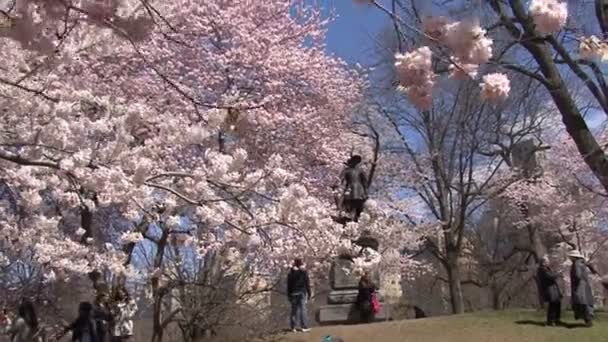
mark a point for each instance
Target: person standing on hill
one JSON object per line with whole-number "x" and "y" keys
{"x": 582, "y": 296}
{"x": 550, "y": 292}
{"x": 298, "y": 291}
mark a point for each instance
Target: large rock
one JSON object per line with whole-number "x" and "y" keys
{"x": 346, "y": 314}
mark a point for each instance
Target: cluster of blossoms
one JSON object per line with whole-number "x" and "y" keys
{"x": 549, "y": 15}
{"x": 416, "y": 77}
{"x": 593, "y": 48}
{"x": 469, "y": 48}
{"x": 468, "y": 42}
{"x": 495, "y": 85}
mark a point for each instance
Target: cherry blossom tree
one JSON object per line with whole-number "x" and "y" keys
{"x": 552, "y": 42}
{"x": 121, "y": 119}
{"x": 134, "y": 133}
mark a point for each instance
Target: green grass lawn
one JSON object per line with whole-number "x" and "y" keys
{"x": 506, "y": 326}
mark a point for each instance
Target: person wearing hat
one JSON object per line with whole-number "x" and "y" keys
{"x": 549, "y": 291}
{"x": 582, "y": 297}
{"x": 355, "y": 189}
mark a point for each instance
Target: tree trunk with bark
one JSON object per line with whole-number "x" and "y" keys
{"x": 454, "y": 279}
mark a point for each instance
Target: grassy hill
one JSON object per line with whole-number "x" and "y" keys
{"x": 508, "y": 326}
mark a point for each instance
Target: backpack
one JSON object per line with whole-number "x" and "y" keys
{"x": 375, "y": 303}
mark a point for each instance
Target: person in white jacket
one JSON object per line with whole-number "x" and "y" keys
{"x": 123, "y": 312}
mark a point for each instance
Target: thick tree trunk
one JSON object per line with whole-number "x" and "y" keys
{"x": 454, "y": 282}
{"x": 496, "y": 293}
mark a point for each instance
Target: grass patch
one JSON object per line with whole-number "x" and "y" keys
{"x": 497, "y": 326}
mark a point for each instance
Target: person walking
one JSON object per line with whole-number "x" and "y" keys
{"x": 124, "y": 311}
{"x": 84, "y": 327}
{"x": 365, "y": 296}
{"x": 582, "y": 296}
{"x": 25, "y": 325}
{"x": 550, "y": 292}
{"x": 298, "y": 291}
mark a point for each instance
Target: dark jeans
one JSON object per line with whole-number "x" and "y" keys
{"x": 554, "y": 312}
{"x": 298, "y": 310}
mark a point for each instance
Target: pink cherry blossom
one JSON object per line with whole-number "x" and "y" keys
{"x": 468, "y": 42}
{"x": 495, "y": 87}
{"x": 416, "y": 77}
{"x": 549, "y": 15}
{"x": 593, "y": 48}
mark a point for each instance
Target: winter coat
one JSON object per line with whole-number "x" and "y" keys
{"x": 364, "y": 296}
{"x": 549, "y": 289}
{"x": 298, "y": 282}
{"x": 123, "y": 318}
{"x": 579, "y": 282}
{"x": 355, "y": 181}
{"x": 84, "y": 330}
{"x": 102, "y": 318}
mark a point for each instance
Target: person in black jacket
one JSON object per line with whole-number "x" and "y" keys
{"x": 364, "y": 298}
{"x": 298, "y": 291}
{"x": 550, "y": 292}
{"x": 84, "y": 328}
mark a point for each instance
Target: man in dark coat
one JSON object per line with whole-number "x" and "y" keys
{"x": 364, "y": 298}
{"x": 355, "y": 187}
{"x": 298, "y": 291}
{"x": 550, "y": 292}
{"x": 582, "y": 297}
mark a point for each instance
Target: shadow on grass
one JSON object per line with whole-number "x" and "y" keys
{"x": 542, "y": 324}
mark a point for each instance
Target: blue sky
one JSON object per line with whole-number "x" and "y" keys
{"x": 349, "y": 36}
